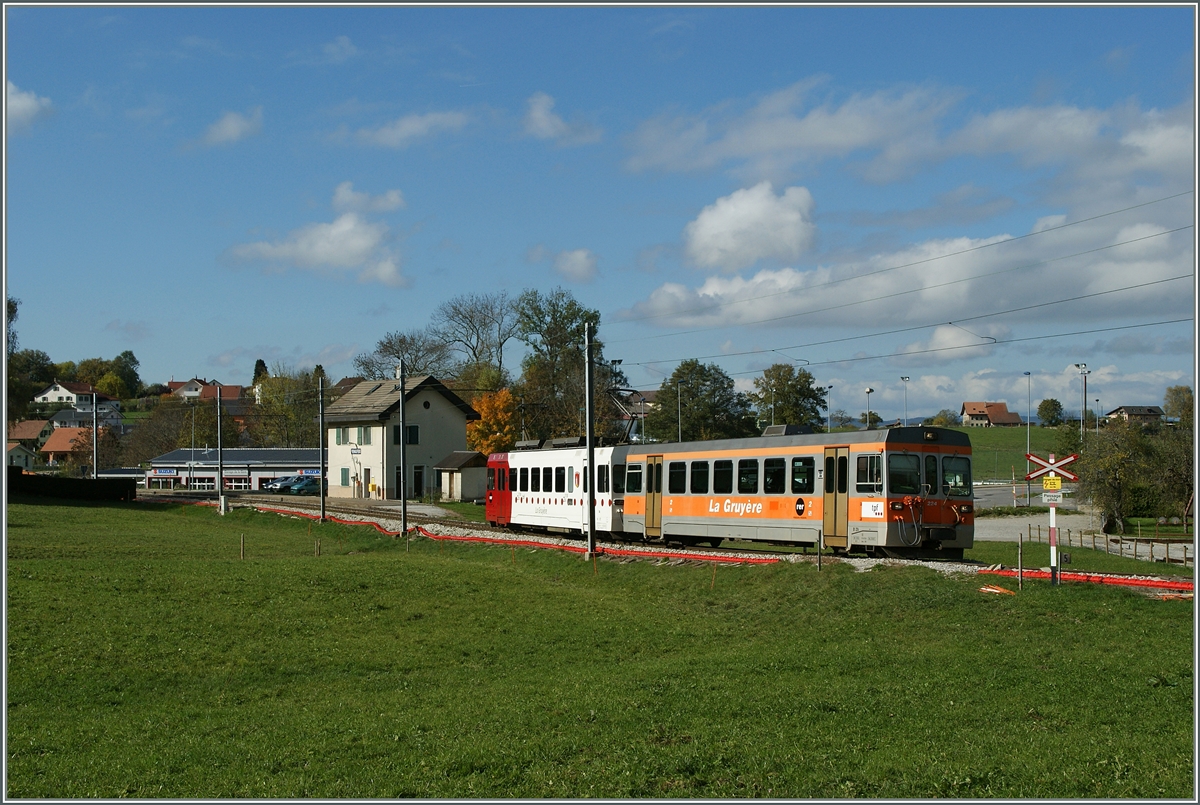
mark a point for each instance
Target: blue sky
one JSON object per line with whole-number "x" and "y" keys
{"x": 207, "y": 186}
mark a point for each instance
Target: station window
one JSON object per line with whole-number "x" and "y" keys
{"x": 956, "y": 476}
{"x": 748, "y": 476}
{"x": 774, "y": 476}
{"x": 699, "y": 477}
{"x": 904, "y": 474}
{"x": 722, "y": 477}
{"x": 345, "y": 476}
{"x": 618, "y": 479}
{"x": 677, "y": 477}
{"x": 802, "y": 476}
{"x": 869, "y": 474}
{"x": 633, "y": 479}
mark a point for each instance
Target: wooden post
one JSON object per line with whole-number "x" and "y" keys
{"x": 714, "y": 577}
{"x": 243, "y": 546}
{"x": 1020, "y": 565}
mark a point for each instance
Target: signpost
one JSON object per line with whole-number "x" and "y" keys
{"x": 1050, "y": 471}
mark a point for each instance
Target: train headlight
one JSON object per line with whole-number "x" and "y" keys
{"x": 897, "y": 506}
{"x": 966, "y": 508}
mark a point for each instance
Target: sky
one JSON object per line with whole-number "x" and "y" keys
{"x": 957, "y": 196}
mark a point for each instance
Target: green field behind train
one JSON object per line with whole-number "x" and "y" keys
{"x": 146, "y": 659}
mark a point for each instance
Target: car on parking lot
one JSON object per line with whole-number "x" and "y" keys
{"x": 283, "y": 484}
{"x": 308, "y": 486}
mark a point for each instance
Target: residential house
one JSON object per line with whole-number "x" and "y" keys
{"x": 363, "y": 436}
{"x": 1142, "y": 414}
{"x": 74, "y": 418}
{"x": 462, "y": 475}
{"x": 63, "y": 442}
{"x": 79, "y": 396}
{"x": 988, "y": 415}
{"x": 21, "y": 456}
{"x": 32, "y": 433}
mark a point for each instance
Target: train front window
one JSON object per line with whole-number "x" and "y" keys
{"x": 802, "y": 476}
{"x": 869, "y": 474}
{"x": 904, "y": 474}
{"x": 956, "y": 476}
{"x": 748, "y": 476}
{"x": 618, "y": 475}
{"x": 633, "y": 479}
{"x": 677, "y": 478}
{"x": 931, "y": 476}
{"x": 722, "y": 477}
{"x": 491, "y": 478}
{"x": 699, "y": 477}
{"x": 774, "y": 476}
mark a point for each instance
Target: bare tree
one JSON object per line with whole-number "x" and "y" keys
{"x": 478, "y": 326}
{"x": 424, "y": 353}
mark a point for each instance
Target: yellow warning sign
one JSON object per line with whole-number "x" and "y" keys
{"x": 1051, "y": 482}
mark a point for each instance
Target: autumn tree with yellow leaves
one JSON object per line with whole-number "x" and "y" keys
{"x": 497, "y": 429}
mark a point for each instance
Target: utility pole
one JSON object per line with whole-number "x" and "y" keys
{"x": 95, "y": 437}
{"x": 589, "y": 472}
{"x": 403, "y": 454}
{"x": 220, "y": 460}
{"x": 321, "y": 438}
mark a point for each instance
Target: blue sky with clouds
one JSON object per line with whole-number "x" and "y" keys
{"x": 954, "y": 195}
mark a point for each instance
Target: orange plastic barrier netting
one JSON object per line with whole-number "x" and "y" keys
{"x": 1100, "y": 578}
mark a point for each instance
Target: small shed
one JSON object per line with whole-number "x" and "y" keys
{"x": 21, "y": 456}
{"x": 463, "y": 475}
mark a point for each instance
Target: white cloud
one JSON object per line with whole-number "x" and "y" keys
{"x": 339, "y": 50}
{"x": 233, "y": 127}
{"x": 346, "y": 199}
{"x": 402, "y": 132}
{"x": 577, "y": 265}
{"x": 347, "y": 243}
{"x": 749, "y": 225}
{"x": 541, "y": 122}
{"x": 23, "y": 108}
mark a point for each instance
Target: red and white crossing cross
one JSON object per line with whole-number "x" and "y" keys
{"x": 1052, "y": 465}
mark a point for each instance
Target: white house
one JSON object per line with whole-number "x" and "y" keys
{"x": 78, "y": 395}
{"x": 363, "y": 430}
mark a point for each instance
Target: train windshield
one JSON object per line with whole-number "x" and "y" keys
{"x": 904, "y": 474}
{"x": 956, "y": 476}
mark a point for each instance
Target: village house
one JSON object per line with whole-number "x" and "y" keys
{"x": 31, "y": 434}
{"x": 21, "y": 456}
{"x": 1141, "y": 414}
{"x": 63, "y": 442}
{"x": 363, "y": 429}
{"x": 988, "y": 415}
{"x": 79, "y": 396}
{"x": 462, "y": 475}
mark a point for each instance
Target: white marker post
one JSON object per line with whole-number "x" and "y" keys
{"x": 1053, "y": 529}
{"x": 1052, "y": 495}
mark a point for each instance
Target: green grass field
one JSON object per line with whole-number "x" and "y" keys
{"x": 145, "y": 659}
{"x": 996, "y": 452}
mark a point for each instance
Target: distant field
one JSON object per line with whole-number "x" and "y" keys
{"x": 997, "y": 451}
{"x": 145, "y": 659}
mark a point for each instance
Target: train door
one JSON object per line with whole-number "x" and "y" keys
{"x": 654, "y": 496}
{"x": 835, "y": 532}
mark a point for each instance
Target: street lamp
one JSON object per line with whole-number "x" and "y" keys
{"x": 1083, "y": 372}
{"x": 905, "y": 379}
{"x": 1098, "y": 410}
{"x": 869, "y": 391}
{"x": 1028, "y": 381}
{"x": 829, "y": 408}
{"x": 679, "y": 410}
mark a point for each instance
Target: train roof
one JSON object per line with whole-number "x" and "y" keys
{"x": 889, "y": 436}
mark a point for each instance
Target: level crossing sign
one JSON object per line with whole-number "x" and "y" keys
{"x": 1052, "y": 466}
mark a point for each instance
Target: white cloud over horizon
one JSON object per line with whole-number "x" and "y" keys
{"x": 234, "y": 126}
{"x": 23, "y": 108}
{"x": 738, "y": 230}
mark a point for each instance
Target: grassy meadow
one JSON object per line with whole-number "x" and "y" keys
{"x": 145, "y": 659}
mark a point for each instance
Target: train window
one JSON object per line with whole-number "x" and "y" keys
{"x": 904, "y": 474}
{"x": 547, "y": 479}
{"x": 491, "y": 478}
{"x": 699, "y": 477}
{"x": 657, "y": 472}
{"x": 869, "y": 475}
{"x": 722, "y": 477}
{"x": 931, "y": 477}
{"x": 956, "y": 476}
{"x": 677, "y": 477}
{"x": 802, "y": 476}
{"x": 748, "y": 476}
{"x": 524, "y": 479}
{"x": 633, "y": 479}
{"x": 843, "y": 474}
{"x": 535, "y": 480}
{"x": 560, "y": 479}
{"x": 830, "y": 475}
{"x": 618, "y": 484}
{"x": 512, "y": 479}
{"x": 571, "y": 480}
{"x": 602, "y": 478}
{"x": 774, "y": 476}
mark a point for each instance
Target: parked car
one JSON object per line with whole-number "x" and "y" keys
{"x": 283, "y": 484}
{"x": 308, "y": 486}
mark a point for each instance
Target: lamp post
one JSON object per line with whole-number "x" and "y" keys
{"x": 829, "y": 408}
{"x": 1083, "y": 372}
{"x": 869, "y": 391}
{"x": 679, "y": 411}
{"x": 1098, "y": 409}
{"x": 905, "y": 379}
{"x": 1027, "y": 401}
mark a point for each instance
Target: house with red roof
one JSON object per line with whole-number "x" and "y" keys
{"x": 988, "y": 415}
